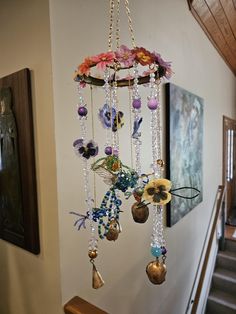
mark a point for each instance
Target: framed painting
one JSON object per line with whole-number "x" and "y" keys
{"x": 184, "y": 149}
{"x": 18, "y": 194}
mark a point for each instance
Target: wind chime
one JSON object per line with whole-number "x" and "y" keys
{"x": 142, "y": 67}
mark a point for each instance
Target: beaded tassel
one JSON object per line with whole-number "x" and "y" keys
{"x": 107, "y": 90}
{"x": 136, "y": 104}
{"x": 82, "y": 112}
{"x": 156, "y": 271}
{"x": 114, "y": 119}
{"x": 97, "y": 280}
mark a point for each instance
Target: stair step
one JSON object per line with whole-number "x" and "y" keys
{"x": 230, "y": 245}
{"x": 227, "y": 260}
{"x": 224, "y": 280}
{"x": 220, "y": 302}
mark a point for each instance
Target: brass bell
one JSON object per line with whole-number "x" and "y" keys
{"x": 140, "y": 212}
{"x": 98, "y": 282}
{"x": 113, "y": 231}
{"x": 156, "y": 272}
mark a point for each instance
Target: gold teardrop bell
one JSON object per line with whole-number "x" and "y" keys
{"x": 156, "y": 271}
{"x": 97, "y": 281}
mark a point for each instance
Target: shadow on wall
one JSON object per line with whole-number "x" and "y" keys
{"x": 145, "y": 298}
{"x": 16, "y": 286}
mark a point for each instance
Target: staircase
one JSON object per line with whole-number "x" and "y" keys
{"x": 222, "y": 296}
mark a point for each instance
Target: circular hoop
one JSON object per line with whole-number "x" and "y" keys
{"x": 160, "y": 72}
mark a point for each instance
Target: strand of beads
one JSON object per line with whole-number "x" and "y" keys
{"x": 160, "y": 169}
{"x": 137, "y": 120}
{"x": 114, "y": 119}
{"x": 83, "y": 150}
{"x": 110, "y": 207}
{"x": 153, "y": 105}
{"x": 140, "y": 213}
{"x": 156, "y": 271}
{"x": 82, "y": 113}
{"x": 107, "y": 90}
{"x": 157, "y": 165}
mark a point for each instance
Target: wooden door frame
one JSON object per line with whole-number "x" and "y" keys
{"x": 228, "y": 123}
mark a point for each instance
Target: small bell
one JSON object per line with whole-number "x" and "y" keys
{"x": 156, "y": 272}
{"x": 113, "y": 231}
{"x": 98, "y": 282}
{"x": 140, "y": 212}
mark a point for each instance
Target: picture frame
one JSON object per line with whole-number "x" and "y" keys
{"x": 18, "y": 190}
{"x": 184, "y": 150}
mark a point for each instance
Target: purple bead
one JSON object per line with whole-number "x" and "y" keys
{"x": 115, "y": 152}
{"x": 108, "y": 150}
{"x": 163, "y": 250}
{"x": 152, "y": 104}
{"x": 82, "y": 111}
{"x": 136, "y": 103}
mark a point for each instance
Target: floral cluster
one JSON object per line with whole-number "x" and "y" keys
{"x": 124, "y": 58}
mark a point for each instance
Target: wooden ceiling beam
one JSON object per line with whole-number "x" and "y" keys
{"x": 219, "y": 23}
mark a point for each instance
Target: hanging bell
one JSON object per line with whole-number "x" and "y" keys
{"x": 113, "y": 231}
{"x": 140, "y": 212}
{"x": 156, "y": 272}
{"x": 98, "y": 282}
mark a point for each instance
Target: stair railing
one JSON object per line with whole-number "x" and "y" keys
{"x": 217, "y": 212}
{"x": 78, "y": 305}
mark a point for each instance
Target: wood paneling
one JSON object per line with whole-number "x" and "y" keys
{"x": 218, "y": 20}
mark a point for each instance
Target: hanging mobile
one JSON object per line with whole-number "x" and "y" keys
{"x": 119, "y": 177}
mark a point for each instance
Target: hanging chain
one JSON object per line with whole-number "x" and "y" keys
{"x": 111, "y": 25}
{"x": 93, "y": 137}
{"x": 110, "y": 37}
{"x": 118, "y": 24}
{"x": 130, "y": 23}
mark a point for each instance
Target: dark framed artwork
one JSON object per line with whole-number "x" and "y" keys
{"x": 18, "y": 194}
{"x": 184, "y": 149}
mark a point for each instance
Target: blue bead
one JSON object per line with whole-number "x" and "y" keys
{"x": 156, "y": 251}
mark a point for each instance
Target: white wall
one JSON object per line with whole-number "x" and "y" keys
{"x": 30, "y": 284}
{"x": 79, "y": 29}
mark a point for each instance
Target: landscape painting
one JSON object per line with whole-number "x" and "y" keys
{"x": 184, "y": 126}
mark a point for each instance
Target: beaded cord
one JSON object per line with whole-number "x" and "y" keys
{"x": 110, "y": 206}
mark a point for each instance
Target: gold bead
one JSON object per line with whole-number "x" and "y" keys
{"x": 161, "y": 163}
{"x": 93, "y": 254}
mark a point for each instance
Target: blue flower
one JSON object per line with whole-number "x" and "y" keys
{"x": 111, "y": 118}
{"x": 106, "y": 115}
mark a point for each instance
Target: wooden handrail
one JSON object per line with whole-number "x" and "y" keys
{"x": 208, "y": 250}
{"x": 79, "y": 306}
